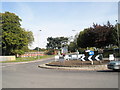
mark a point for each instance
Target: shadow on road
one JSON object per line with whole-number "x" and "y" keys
{"x": 108, "y": 71}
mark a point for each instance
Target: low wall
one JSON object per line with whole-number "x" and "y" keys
{"x": 7, "y": 58}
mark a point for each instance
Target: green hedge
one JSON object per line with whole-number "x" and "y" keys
{"x": 106, "y": 52}
{"x": 111, "y": 51}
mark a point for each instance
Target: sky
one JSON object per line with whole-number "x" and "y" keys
{"x": 56, "y": 19}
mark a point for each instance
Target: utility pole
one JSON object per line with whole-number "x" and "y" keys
{"x": 118, "y": 38}
{"x": 38, "y": 44}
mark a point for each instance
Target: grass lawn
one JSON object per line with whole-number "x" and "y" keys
{"x": 25, "y": 59}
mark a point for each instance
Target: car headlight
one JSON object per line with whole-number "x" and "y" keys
{"x": 117, "y": 64}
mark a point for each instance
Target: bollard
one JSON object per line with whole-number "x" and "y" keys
{"x": 91, "y": 62}
{"x": 111, "y": 57}
{"x": 56, "y": 58}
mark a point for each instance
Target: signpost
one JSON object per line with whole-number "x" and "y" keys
{"x": 91, "y": 53}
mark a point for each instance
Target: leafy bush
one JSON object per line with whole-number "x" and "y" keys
{"x": 49, "y": 52}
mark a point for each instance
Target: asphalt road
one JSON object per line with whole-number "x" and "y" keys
{"x": 29, "y": 75}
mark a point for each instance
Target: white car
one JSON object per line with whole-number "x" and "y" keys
{"x": 115, "y": 65}
{"x": 67, "y": 57}
{"x": 73, "y": 56}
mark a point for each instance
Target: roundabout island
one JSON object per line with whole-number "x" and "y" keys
{"x": 76, "y": 65}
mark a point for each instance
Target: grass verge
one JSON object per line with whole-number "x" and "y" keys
{"x": 26, "y": 59}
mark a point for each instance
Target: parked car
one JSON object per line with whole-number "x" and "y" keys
{"x": 114, "y": 65}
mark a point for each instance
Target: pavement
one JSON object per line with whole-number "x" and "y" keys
{"x": 29, "y": 75}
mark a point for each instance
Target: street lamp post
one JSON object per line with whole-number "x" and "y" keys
{"x": 38, "y": 45}
{"x": 75, "y": 40}
{"x": 73, "y": 36}
{"x": 118, "y": 38}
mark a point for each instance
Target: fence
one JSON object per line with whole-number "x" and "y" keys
{"x": 7, "y": 58}
{"x": 31, "y": 54}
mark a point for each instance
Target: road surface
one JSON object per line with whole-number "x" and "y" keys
{"x": 29, "y": 75}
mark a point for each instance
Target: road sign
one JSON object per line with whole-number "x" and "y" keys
{"x": 111, "y": 57}
{"x": 91, "y": 58}
{"x": 82, "y": 58}
{"x": 91, "y": 53}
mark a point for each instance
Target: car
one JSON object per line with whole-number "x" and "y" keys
{"x": 73, "y": 56}
{"x": 114, "y": 65}
{"x": 67, "y": 57}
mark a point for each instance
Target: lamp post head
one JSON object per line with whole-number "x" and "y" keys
{"x": 73, "y": 30}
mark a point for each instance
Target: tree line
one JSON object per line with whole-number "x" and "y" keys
{"x": 98, "y": 36}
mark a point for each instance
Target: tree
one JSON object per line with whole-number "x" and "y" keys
{"x": 86, "y": 38}
{"x": 97, "y": 36}
{"x": 15, "y": 40}
{"x": 72, "y": 47}
{"x": 40, "y": 49}
{"x": 56, "y": 43}
{"x": 105, "y": 35}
